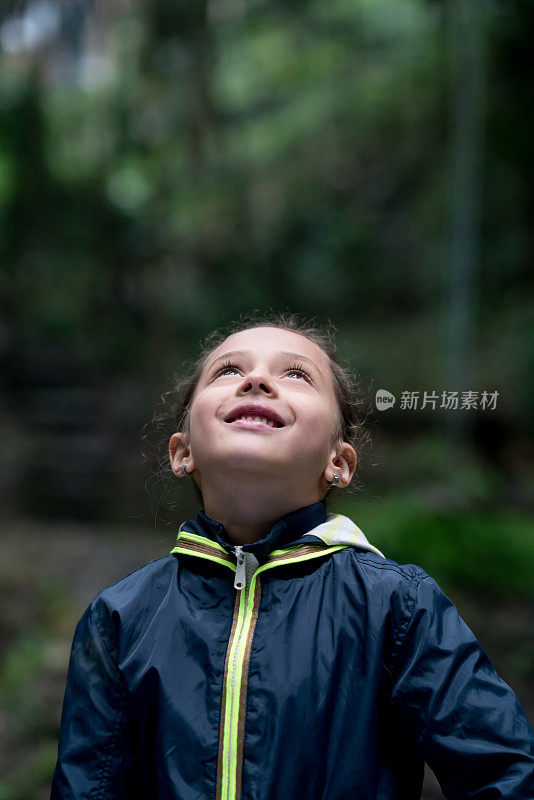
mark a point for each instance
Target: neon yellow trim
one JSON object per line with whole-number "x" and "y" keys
{"x": 269, "y": 565}
{"x": 194, "y": 537}
{"x": 232, "y": 692}
{"x": 294, "y": 559}
{"x": 247, "y": 620}
{"x": 237, "y": 693}
{"x": 207, "y": 556}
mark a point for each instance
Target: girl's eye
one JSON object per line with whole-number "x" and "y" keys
{"x": 299, "y": 372}
{"x": 226, "y": 369}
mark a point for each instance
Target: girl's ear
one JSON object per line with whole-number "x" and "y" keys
{"x": 343, "y": 463}
{"x": 180, "y": 453}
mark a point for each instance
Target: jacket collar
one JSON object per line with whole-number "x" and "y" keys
{"x": 289, "y": 530}
{"x": 304, "y": 526}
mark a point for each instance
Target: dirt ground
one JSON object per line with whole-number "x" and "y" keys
{"x": 48, "y": 575}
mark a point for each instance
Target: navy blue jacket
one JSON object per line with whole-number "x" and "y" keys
{"x": 304, "y": 666}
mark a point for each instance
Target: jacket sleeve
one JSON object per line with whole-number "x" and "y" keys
{"x": 467, "y": 722}
{"x": 96, "y": 753}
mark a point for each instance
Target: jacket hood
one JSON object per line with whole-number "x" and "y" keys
{"x": 338, "y": 529}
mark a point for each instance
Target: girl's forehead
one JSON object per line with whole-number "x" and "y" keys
{"x": 266, "y": 340}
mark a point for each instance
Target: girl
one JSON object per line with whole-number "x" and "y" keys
{"x": 276, "y": 654}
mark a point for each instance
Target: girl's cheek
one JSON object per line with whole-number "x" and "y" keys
{"x": 199, "y": 415}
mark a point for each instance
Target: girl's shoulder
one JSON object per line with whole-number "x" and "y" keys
{"x": 146, "y": 572}
{"x": 383, "y": 582}
{"x": 386, "y": 569}
{"x": 135, "y": 588}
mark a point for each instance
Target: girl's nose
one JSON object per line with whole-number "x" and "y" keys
{"x": 256, "y": 382}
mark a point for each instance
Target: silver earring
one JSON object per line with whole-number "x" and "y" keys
{"x": 335, "y": 481}
{"x": 185, "y": 473}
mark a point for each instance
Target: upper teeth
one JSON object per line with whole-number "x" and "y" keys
{"x": 256, "y": 418}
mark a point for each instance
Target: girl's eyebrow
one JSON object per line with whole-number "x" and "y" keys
{"x": 230, "y": 354}
{"x": 233, "y": 353}
{"x": 299, "y": 356}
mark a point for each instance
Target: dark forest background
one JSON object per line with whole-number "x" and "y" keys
{"x": 167, "y": 166}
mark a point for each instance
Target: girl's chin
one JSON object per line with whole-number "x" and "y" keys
{"x": 244, "y": 464}
{"x": 249, "y": 459}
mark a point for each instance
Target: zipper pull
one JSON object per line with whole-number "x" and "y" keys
{"x": 240, "y": 575}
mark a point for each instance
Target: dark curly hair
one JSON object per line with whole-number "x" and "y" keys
{"x": 173, "y": 411}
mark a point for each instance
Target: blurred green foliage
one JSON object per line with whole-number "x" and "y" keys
{"x": 229, "y": 157}
{"x": 488, "y": 554}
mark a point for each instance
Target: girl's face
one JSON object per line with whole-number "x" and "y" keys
{"x": 265, "y": 405}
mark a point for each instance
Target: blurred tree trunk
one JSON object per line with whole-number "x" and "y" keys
{"x": 178, "y": 25}
{"x": 467, "y": 64}
{"x": 178, "y": 59}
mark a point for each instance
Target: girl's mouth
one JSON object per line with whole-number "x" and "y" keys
{"x": 255, "y": 415}
{"x": 254, "y": 421}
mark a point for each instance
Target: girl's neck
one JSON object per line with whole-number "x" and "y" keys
{"x": 249, "y": 516}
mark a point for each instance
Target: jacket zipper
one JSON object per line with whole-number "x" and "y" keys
{"x": 233, "y": 731}
{"x": 240, "y": 572}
